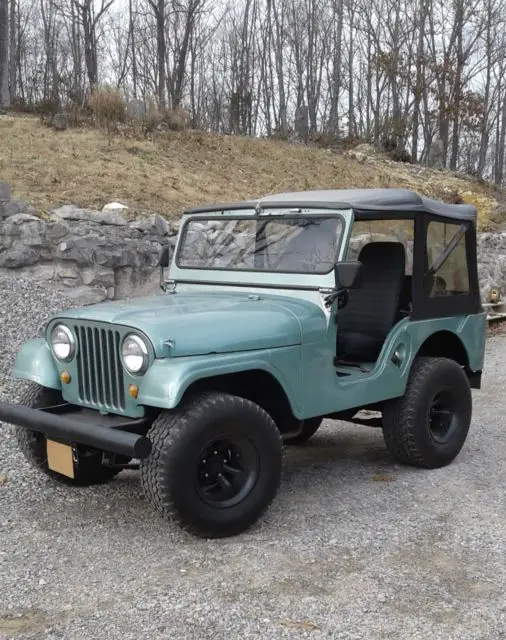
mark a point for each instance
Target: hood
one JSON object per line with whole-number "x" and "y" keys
{"x": 202, "y": 323}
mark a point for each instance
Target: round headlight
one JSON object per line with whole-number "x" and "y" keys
{"x": 63, "y": 343}
{"x": 134, "y": 354}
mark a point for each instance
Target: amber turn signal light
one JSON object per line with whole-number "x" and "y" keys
{"x": 65, "y": 377}
{"x": 133, "y": 390}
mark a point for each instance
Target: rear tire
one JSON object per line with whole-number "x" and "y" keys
{"x": 215, "y": 465}
{"x": 89, "y": 470}
{"x": 428, "y": 426}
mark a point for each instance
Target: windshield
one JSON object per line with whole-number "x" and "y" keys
{"x": 278, "y": 244}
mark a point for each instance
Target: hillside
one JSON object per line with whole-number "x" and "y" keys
{"x": 178, "y": 169}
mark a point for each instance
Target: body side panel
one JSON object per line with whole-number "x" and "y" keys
{"x": 323, "y": 391}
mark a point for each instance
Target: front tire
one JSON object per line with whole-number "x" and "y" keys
{"x": 215, "y": 465}
{"x": 89, "y": 469}
{"x": 427, "y": 427}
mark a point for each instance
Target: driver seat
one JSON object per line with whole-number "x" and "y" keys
{"x": 372, "y": 309}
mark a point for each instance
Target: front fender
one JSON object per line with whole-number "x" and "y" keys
{"x": 34, "y": 362}
{"x": 167, "y": 380}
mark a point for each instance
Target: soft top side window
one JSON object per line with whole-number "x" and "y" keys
{"x": 399, "y": 230}
{"x": 447, "y": 271}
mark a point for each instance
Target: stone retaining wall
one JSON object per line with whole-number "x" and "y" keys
{"x": 78, "y": 248}
{"x": 103, "y": 255}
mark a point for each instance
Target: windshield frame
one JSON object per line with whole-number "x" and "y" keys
{"x": 259, "y": 279}
{"x": 279, "y": 214}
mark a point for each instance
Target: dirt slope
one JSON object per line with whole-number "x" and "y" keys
{"x": 174, "y": 170}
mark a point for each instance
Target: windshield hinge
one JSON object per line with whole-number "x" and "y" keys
{"x": 168, "y": 286}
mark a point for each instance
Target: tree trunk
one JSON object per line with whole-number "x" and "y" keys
{"x": 499, "y": 174}
{"x": 459, "y": 18}
{"x": 4, "y": 53}
{"x": 132, "y": 47}
{"x": 90, "y": 49}
{"x": 351, "y": 96}
{"x": 12, "y": 52}
{"x": 161, "y": 51}
{"x": 419, "y": 79}
{"x": 337, "y": 16}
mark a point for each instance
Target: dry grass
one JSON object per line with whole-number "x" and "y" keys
{"x": 108, "y": 107}
{"x": 174, "y": 170}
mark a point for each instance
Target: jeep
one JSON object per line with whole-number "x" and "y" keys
{"x": 277, "y": 313}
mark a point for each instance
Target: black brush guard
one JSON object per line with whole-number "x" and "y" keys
{"x": 70, "y": 424}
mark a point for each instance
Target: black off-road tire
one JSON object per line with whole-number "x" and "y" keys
{"x": 174, "y": 475}
{"x": 309, "y": 428}
{"x": 427, "y": 427}
{"x": 32, "y": 444}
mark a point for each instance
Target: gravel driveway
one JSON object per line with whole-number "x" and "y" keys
{"x": 353, "y": 547}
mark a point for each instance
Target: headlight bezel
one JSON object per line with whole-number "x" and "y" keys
{"x": 144, "y": 349}
{"x": 71, "y": 338}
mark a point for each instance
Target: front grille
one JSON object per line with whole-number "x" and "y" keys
{"x": 99, "y": 369}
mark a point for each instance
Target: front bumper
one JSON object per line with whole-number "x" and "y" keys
{"x": 73, "y": 425}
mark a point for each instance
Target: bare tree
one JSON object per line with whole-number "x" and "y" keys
{"x": 4, "y": 53}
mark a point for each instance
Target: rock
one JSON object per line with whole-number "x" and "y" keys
{"x": 15, "y": 207}
{"x": 56, "y": 230}
{"x": 5, "y": 191}
{"x": 153, "y": 224}
{"x": 135, "y": 109}
{"x": 68, "y": 272}
{"x": 162, "y": 126}
{"x": 115, "y": 206}
{"x": 19, "y": 255}
{"x": 5, "y": 196}
{"x": 129, "y": 280}
{"x": 39, "y": 272}
{"x": 60, "y": 121}
{"x": 71, "y": 212}
{"x": 82, "y": 253}
{"x": 21, "y": 218}
{"x": 86, "y": 295}
{"x": 102, "y": 277}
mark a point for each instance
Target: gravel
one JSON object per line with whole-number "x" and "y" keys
{"x": 353, "y": 547}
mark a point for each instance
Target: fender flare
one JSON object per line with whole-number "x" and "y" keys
{"x": 34, "y": 362}
{"x": 168, "y": 379}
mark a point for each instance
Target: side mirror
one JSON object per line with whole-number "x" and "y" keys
{"x": 348, "y": 275}
{"x": 164, "y": 259}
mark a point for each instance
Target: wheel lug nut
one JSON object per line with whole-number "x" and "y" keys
{"x": 215, "y": 453}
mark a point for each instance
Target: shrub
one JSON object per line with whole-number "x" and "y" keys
{"x": 163, "y": 119}
{"x": 108, "y": 106}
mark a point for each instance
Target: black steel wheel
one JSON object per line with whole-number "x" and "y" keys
{"x": 428, "y": 426}
{"x": 227, "y": 469}
{"x": 215, "y": 465}
{"x": 89, "y": 469}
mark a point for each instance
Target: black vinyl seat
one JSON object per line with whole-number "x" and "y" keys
{"x": 372, "y": 309}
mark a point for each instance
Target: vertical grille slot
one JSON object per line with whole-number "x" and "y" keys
{"x": 100, "y": 373}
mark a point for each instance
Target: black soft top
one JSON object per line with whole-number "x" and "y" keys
{"x": 394, "y": 201}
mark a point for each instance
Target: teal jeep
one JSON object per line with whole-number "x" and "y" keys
{"x": 357, "y": 305}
